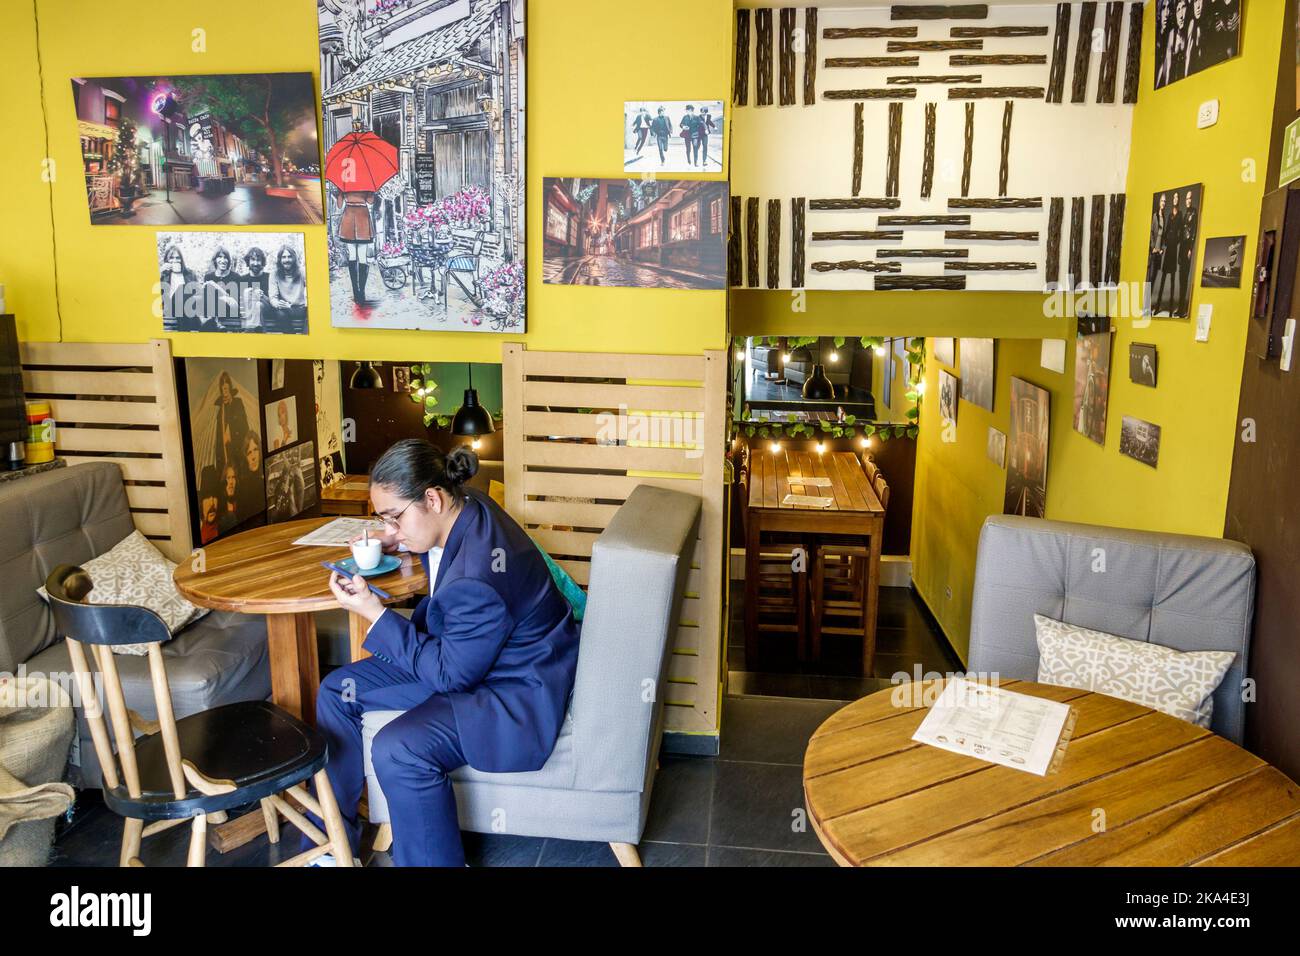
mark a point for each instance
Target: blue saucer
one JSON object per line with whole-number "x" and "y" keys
{"x": 387, "y": 562}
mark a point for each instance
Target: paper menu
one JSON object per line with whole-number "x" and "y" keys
{"x": 812, "y": 500}
{"x": 1000, "y": 726}
{"x": 339, "y": 532}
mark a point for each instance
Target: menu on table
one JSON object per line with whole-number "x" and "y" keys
{"x": 997, "y": 725}
{"x": 339, "y": 532}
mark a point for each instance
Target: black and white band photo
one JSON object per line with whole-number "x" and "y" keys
{"x": 1192, "y": 35}
{"x": 232, "y": 282}
{"x": 1171, "y": 259}
{"x": 673, "y": 137}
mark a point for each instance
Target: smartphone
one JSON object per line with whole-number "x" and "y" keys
{"x": 384, "y": 595}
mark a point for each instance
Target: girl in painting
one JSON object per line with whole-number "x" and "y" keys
{"x": 357, "y": 231}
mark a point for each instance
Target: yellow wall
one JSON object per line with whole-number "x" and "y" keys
{"x": 585, "y": 57}
{"x": 1195, "y": 401}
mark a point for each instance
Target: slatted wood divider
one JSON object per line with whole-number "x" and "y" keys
{"x": 117, "y": 403}
{"x": 581, "y": 430}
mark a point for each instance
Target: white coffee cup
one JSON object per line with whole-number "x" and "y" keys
{"x": 367, "y": 553}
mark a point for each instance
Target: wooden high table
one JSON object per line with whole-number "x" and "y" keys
{"x": 1172, "y": 793}
{"x": 263, "y": 572}
{"x": 854, "y": 510}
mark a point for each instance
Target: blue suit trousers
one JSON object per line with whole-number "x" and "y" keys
{"x": 412, "y": 756}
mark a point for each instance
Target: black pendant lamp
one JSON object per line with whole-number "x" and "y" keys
{"x": 366, "y": 376}
{"x": 817, "y": 387}
{"x": 471, "y": 418}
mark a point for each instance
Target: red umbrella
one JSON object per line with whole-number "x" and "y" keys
{"x": 361, "y": 162}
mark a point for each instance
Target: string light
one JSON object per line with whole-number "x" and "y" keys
{"x": 774, "y": 447}
{"x": 821, "y": 447}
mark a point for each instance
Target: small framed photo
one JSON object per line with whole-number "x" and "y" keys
{"x": 1142, "y": 364}
{"x": 997, "y": 447}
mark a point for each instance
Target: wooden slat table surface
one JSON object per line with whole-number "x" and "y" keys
{"x": 1135, "y": 788}
{"x": 853, "y": 510}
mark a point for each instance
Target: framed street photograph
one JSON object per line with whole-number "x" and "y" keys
{"x": 672, "y": 136}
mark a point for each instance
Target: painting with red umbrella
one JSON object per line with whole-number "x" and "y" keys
{"x": 423, "y": 109}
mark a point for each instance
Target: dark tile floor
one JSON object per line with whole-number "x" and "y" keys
{"x": 741, "y": 808}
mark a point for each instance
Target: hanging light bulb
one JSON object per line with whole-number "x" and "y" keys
{"x": 821, "y": 447}
{"x": 774, "y": 447}
{"x": 833, "y": 357}
{"x": 785, "y": 357}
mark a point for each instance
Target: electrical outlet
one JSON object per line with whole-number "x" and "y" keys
{"x": 1207, "y": 114}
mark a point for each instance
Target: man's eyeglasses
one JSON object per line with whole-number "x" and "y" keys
{"x": 393, "y": 521}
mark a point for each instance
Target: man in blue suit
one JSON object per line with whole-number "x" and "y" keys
{"x": 484, "y": 667}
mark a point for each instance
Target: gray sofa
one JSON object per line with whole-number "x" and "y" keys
{"x": 68, "y": 516}
{"x": 596, "y": 785}
{"x": 1181, "y": 591}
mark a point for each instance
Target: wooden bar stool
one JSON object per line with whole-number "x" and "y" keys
{"x": 781, "y": 593}
{"x": 196, "y": 768}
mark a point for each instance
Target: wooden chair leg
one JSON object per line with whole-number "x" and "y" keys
{"x": 132, "y": 832}
{"x": 626, "y": 854}
{"x": 800, "y": 583}
{"x": 338, "y": 835}
{"x": 198, "y": 841}
{"x": 272, "y": 821}
{"x": 818, "y": 601}
{"x": 384, "y": 838}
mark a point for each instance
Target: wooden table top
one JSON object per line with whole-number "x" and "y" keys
{"x": 773, "y": 475}
{"x": 1135, "y": 788}
{"x": 263, "y": 572}
{"x": 338, "y": 491}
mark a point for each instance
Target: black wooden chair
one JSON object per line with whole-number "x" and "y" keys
{"x": 200, "y": 766}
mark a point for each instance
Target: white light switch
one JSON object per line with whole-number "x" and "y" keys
{"x": 1203, "y": 322}
{"x": 1288, "y": 340}
{"x": 1207, "y": 114}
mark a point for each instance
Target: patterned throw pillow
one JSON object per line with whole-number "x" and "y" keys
{"x": 133, "y": 571}
{"x": 1178, "y": 683}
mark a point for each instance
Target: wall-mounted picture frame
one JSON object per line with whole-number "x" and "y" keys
{"x": 1027, "y": 444}
{"x": 1194, "y": 35}
{"x": 672, "y": 136}
{"x": 1171, "y": 252}
{"x": 1142, "y": 364}
{"x": 978, "y": 357}
{"x": 945, "y": 352}
{"x": 949, "y": 390}
{"x": 997, "y": 447}
{"x": 1140, "y": 440}
{"x": 1221, "y": 263}
{"x": 1092, "y": 384}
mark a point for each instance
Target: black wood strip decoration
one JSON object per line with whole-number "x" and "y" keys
{"x": 996, "y": 59}
{"x": 903, "y": 46}
{"x": 944, "y": 78}
{"x": 1114, "y": 237}
{"x": 1002, "y": 202}
{"x": 763, "y": 56}
{"x": 995, "y": 93}
{"x": 968, "y": 150}
{"x": 859, "y": 134}
{"x": 923, "y": 221}
{"x": 1052, "y": 267}
{"x": 1110, "y": 53}
{"x": 990, "y": 266}
{"x": 1133, "y": 58}
{"x": 857, "y": 265}
{"x": 809, "y": 56}
{"x": 742, "y": 58}
{"x": 1082, "y": 52}
{"x": 773, "y": 243}
{"x": 734, "y": 267}
{"x": 858, "y": 235}
{"x": 1096, "y": 241}
{"x": 895, "y": 148}
{"x": 797, "y": 217}
{"x": 866, "y": 33}
{"x": 1004, "y": 164}
{"x": 922, "y": 253}
{"x": 833, "y": 62}
{"x": 898, "y": 93}
{"x": 990, "y": 234}
{"x": 998, "y": 32}
{"x": 927, "y": 158}
{"x": 824, "y": 205}
{"x": 1074, "y": 277}
{"x": 960, "y": 11}
{"x": 900, "y": 282}
{"x": 751, "y": 241}
{"x": 787, "y": 56}
{"x": 1060, "y": 53}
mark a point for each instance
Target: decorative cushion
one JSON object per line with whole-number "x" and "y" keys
{"x": 574, "y": 594}
{"x": 1177, "y": 683}
{"x": 133, "y": 571}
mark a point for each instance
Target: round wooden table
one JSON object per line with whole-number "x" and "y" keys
{"x": 263, "y": 572}
{"x": 1135, "y": 788}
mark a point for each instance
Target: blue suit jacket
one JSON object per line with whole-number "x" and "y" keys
{"x": 495, "y": 635}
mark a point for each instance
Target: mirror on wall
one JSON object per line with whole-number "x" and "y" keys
{"x": 821, "y": 378}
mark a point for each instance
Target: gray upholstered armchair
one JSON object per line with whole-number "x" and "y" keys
{"x": 1180, "y": 591}
{"x": 596, "y": 785}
